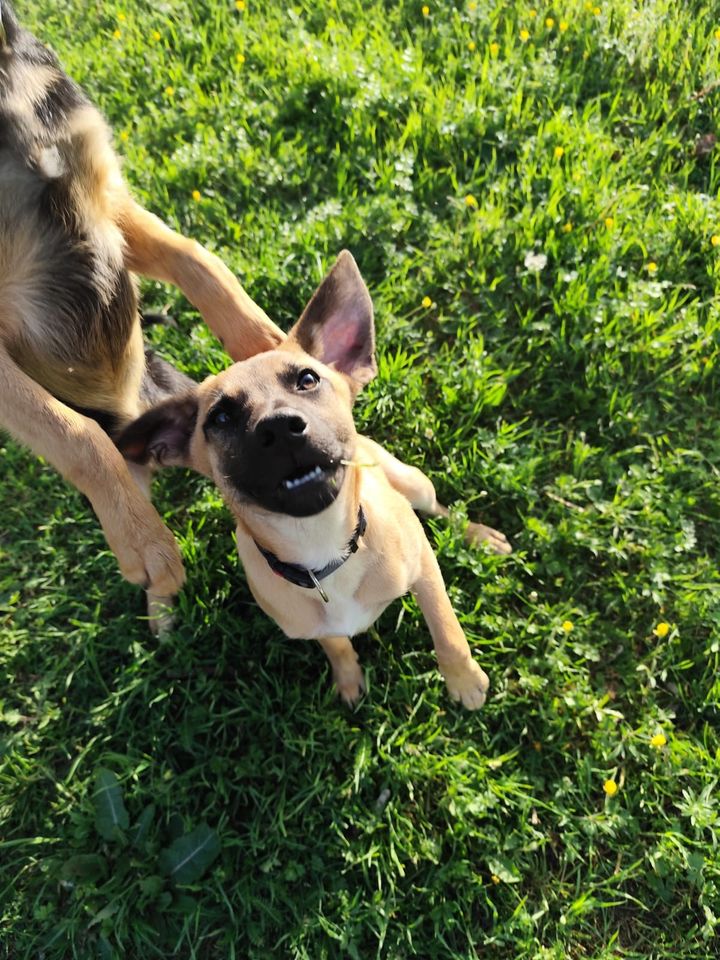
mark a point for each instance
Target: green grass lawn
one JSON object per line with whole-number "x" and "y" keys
{"x": 532, "y": 196}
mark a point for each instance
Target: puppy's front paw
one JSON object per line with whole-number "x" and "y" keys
{"x": 477, "y": 533}
{"x": 468, "y": 684}
{"x": 349, "y": 683}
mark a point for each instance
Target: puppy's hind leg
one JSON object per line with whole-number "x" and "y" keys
{"x": 419, "y": 490}
{"x": 347, "y": 672}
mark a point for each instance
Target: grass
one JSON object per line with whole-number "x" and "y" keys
{"x": 556, "y": 199}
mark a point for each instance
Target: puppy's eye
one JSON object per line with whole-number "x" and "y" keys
{"x": 218, "y": 418}
{"x": 307, "y": 380}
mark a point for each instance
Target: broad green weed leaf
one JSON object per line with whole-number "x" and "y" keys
{"x": 504, "y": 870}
{"x": 111, "y": 817}
{"x": 84, "y": 866}
{"x": 139, "y": 831}
{"x": 188, "y": 857}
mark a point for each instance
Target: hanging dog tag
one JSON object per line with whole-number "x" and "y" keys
{"x": 319, "y": 589}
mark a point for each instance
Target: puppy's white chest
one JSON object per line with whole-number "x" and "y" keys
{"x": 345, "y": 616}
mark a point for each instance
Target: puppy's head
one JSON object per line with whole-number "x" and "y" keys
{"x": 275, "y": 430}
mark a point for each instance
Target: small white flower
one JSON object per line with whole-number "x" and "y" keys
{"x": 535, "y": 262}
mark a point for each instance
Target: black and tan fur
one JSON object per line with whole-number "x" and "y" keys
{"x": 72, "y": 360}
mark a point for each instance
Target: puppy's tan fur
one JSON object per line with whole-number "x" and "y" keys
{"x": 393, "y": 555}
{"x": 70, "y": 338}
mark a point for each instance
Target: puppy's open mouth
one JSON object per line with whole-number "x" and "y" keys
{"x": 304, "y": 490}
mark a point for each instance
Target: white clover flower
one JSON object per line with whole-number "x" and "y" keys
{"x": 535, "y": 262}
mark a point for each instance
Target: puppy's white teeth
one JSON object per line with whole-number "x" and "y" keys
{"x": 314, "y": 474}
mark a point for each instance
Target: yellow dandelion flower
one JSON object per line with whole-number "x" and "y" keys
{"x": 124, "y": 135}
{"x": 610, "y": 788}
{"x": 717, "y": 34}
{"x": 609, "y": 222}
{"x": 156, "y": 35}
{"x": 426, "y": 11}
{"x": 562, "y": 26}
{"x": 532, "y": 14}
{"x": 549, "y": 23}
{"x": 568, "y": 626}
{"x": 662, "y": 629}
{"x": 651, "y": 267}
{"x": 472, "y": 7}
{"x": 524, "y": 35}
{"x": 240, "y": 5}
{"x": 169, "y": 91}
{"x": 559, "y": 152}
{"x": 495, "y": 878}
{"x": 470, "y": 201}
{"x": 426, "y": 302}
{"x": 596, "y": 11}
{"x": 715, "y": 240}
{"x": 240, "y": 58}
{"x": 658, "y": 741}
{"x": 471, "y": 46}
{"x": 567, "y": 228}
{"x": 494, "y": 49}
{"x": 197, "y": 196}
{"x": 121, "y": 17}
{"x": 588, "y": 5}
{"x": 117, "y": 34}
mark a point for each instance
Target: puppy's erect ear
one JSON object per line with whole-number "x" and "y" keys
{"x": 163, "y": 434}
{"x": 337, "y": 325}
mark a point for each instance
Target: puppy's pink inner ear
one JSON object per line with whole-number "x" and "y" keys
{"x": 343, "y": 346}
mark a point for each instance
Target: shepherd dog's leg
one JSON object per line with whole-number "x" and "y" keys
{"x": 156, "y": 251}
{"x": 79, "y": 449}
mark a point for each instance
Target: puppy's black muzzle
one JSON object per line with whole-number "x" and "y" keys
{"x": 285, "y": 462}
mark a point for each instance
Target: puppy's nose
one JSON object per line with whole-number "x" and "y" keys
{"x": 281, "y": 428}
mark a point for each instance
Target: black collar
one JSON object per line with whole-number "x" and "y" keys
{"x": 301, "y": 576}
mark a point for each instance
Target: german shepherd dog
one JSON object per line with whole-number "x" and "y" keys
{"x": 73, "y": 369}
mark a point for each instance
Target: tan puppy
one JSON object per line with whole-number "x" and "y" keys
{"x": 325, "y": 523}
